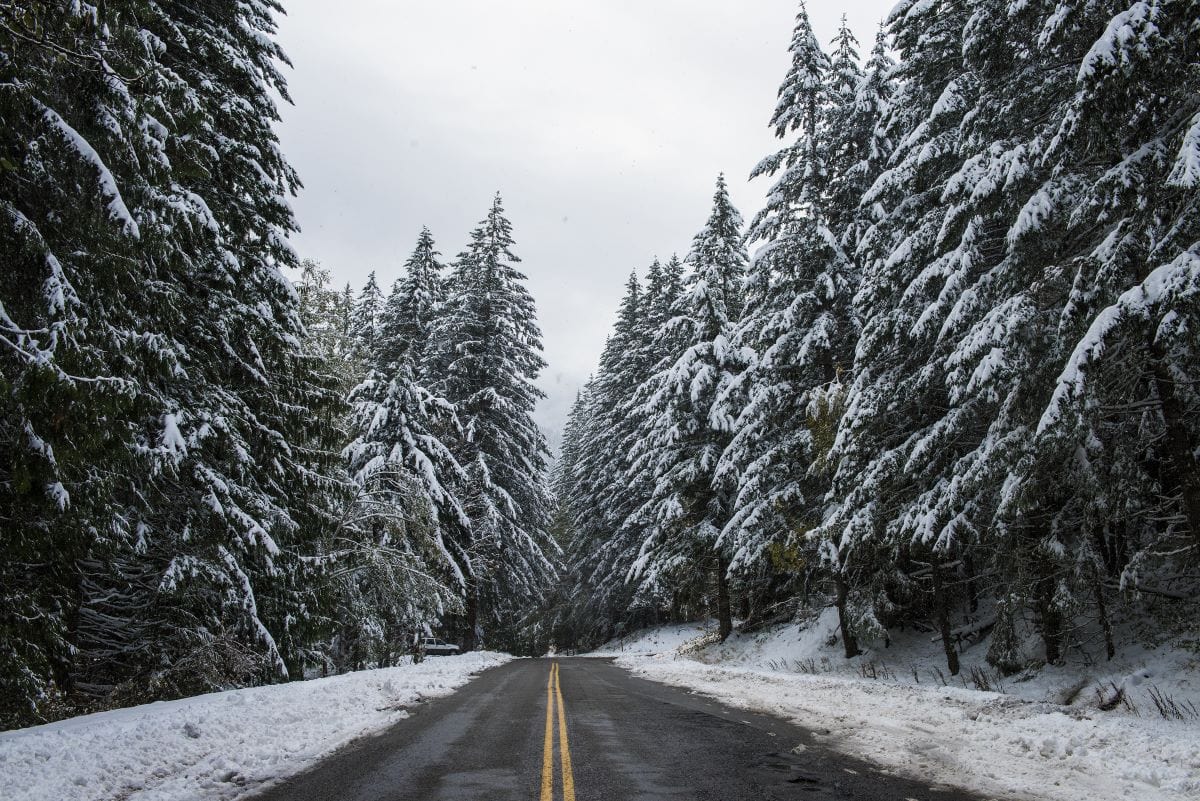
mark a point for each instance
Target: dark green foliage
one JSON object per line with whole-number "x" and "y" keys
{"x": 963, "y": 390}
{"x": 487, "y": 349}
{"x": 157, "y": 402}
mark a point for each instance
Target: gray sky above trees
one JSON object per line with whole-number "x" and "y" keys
{"x": 604, "y": 124}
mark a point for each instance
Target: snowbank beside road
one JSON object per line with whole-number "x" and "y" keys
{"x": 222, "y": 745}
{"x": 1006, "y": 746}
{"x": 658, "y": 640}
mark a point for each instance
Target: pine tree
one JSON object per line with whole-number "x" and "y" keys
{"x": 400, "y": 458}
{"x": 690, "y": 506}
{"x": 799, "y": 330}
{"x": 407, "y": 319}
{"x": 404, "y": 473}
{"x": 600, "y": 495}
{"x": 325, "y": 313}
{"x": 600, "y": 486}
{"x": 365, "y": 318}
{"x": 222, "y": 541}
{"x": 1000, "y": 260}
{"x": 489, "y": 341}
{"x": 845, "y": 138}
{"x": 581, "y": 614}
{"x": 1091, "y": 283}
{"x": 345, "y": 312}
{"x": 963, "y": 384}
{"x": 172, "y": 567}
{"x": 801, "y": 165}
{"x": 63, "y": 207}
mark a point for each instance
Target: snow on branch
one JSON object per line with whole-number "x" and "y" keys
{"x": 1180, "y": 276}
{"x": 105, "y": 180}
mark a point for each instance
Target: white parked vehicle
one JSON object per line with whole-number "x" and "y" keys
{"x": 432, "y": 646}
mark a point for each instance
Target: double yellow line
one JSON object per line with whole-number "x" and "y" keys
{"x": 553, "y": 693}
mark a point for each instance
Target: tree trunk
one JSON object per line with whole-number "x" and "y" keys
{"x": 1050, "y": 619}
{"x": 972, "y": 582}
{"x": 1110, "y": 647}
{"x": 724, "y": 616}
{"x": 1181, "y": 473}
{"x": 472, "y": 617}
{"x": 849, "y": 643}
{"x": 942, "y": 606}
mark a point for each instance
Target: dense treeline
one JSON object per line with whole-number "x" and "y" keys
{"x": 958, "y": 384}
{"x": 212, "y": 477}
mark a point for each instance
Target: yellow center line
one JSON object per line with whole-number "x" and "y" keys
{"x": 548, "y": 744}
{"x": 568, "y": 777}
{"x": 554, "y": 693}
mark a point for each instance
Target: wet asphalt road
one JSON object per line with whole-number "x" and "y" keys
{"x": 627, "y": 739}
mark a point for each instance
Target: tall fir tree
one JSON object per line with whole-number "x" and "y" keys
{"x": 690, "y": 506}
{"x": 490, "y": 345}
{"x": 600, "y": 494}
{"x": 149, "y": 329}
{"x": 799, "y": 330}
{"x": 365, "y": 318}
{"x": 408, "y": 316}
{"x": 963, "y": 385}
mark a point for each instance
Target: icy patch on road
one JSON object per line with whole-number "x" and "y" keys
{"x": 219, "y": 746}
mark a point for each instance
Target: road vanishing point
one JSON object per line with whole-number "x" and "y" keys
{"x": 582, "y": 729}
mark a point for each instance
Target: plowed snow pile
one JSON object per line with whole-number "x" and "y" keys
{"x": 222, "y": 745}
{"x": 1044, "y": 737}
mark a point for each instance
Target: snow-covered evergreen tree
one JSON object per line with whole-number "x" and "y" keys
{"x": 400, "y": 464}
{"x": 401, "y": 458}
{"x": 407, "y": 318}
{"x": 799, "y": 329}
{"x": 489, "y": 341}
{"x": 690, "y": 506}
{"x": 365, "y": 317}
{"x": 964, "y": 381}
{"x": 325, "y": 313}
{"x": 1090, "y": 276}
{"x": 1001, "y": 260}
{"x": 600, "y": 493}
{"x": 172, "y": 567}
{"x": 844, "y": 129}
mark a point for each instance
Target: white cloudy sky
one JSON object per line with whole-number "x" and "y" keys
{"x": 603, "y": 123}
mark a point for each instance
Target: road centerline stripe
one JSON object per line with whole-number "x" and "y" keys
{"x": 548, "y": 744}
{"x": 568, "y": 776}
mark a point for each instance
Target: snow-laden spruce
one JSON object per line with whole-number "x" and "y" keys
{"x": 408, "y": 316}
{"x": 158, "y": 405}
{"x": 962, "y": 395}
{"x": 799, "y": 330}
{"x": 689, "y": 506}
{"x": 399, "y": 530}
{"x": 600, "y": 488}
{"x": 365, "y": 318}
{"x": 487, "y": 354}
{"x": 1019, "y": 417}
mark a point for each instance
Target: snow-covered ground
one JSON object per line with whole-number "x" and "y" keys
{"x": 1042, "y": 737}
{"x": 655, "y": 641}
{"x": 218, "y": 746}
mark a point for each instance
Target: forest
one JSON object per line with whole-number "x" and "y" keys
{"x": 955, "y": 387}
{"x": 213, "y": 476}
{"x": 947, "y": 377}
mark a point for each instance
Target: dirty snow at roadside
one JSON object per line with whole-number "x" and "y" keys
{"x": 1002, "y": 745}
{"x": 222, "y": 745}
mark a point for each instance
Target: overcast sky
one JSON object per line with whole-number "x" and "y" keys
{"x": 604, "y": 125}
